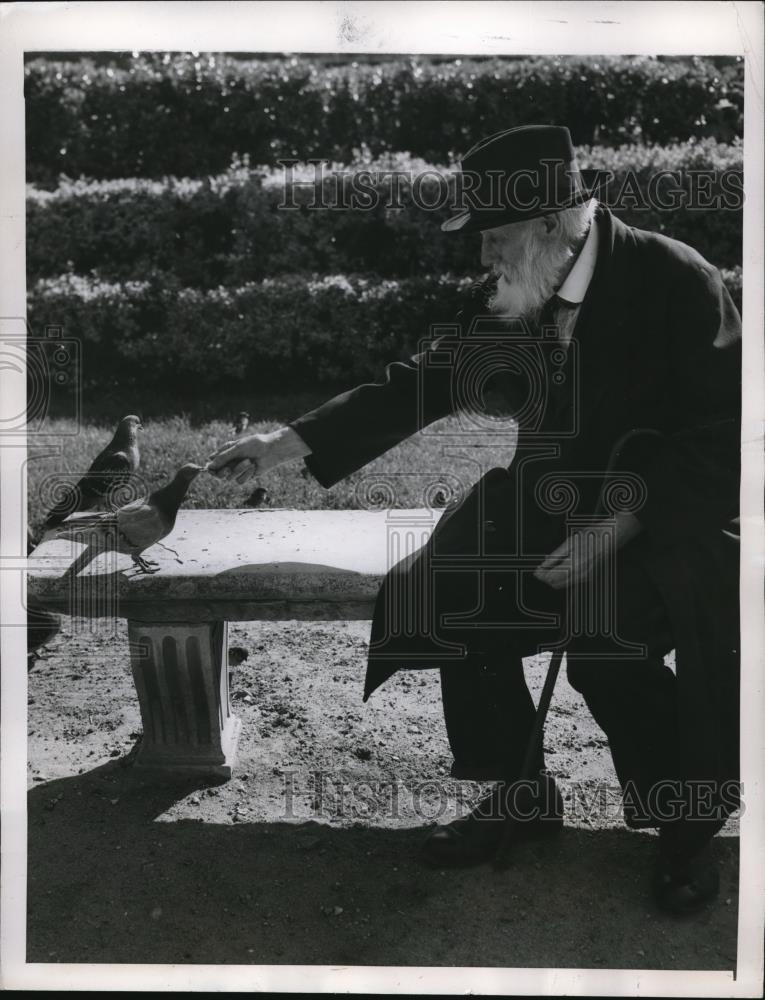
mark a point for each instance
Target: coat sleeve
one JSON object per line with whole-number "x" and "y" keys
{"x": 357, "y": 426}
{"x": 691, "y": 471}
{"x": 361, "y": 424}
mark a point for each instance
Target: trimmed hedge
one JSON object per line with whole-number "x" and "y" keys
{"x": 188, "y": 115}
{"x": 229, "y": 230}
{"x": 292, "y": 331}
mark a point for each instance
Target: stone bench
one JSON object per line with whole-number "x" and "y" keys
{"x": 231, "y": 565}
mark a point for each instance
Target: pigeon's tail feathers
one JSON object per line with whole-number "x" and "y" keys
{"x": 70, "y": 498}
{"x": 102, "y": 522}
{"x": 94, "y": 517}
{"x": 54, "y": 519}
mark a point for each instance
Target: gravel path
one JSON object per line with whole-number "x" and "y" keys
{"x": 309, "y": 854}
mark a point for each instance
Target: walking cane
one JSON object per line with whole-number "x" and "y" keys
{"x": 536, "y": 743}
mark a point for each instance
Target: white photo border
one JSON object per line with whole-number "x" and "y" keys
{"x": 459, "y": 28}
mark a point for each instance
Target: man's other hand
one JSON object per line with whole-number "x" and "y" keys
{"x": 573, "y": 561}
{"x": 256, "y": 453}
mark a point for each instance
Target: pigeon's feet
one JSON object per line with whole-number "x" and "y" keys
{"x": 146, "y": 565}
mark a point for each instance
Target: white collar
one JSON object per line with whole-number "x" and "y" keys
{"x": 579, "y": 277}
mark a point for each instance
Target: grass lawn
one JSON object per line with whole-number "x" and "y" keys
{"x": 447, "y": 457}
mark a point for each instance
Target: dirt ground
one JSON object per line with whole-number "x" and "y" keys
{"x": 308, "y": 855}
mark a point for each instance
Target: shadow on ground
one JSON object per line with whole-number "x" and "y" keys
{"x": 185, "y": 891}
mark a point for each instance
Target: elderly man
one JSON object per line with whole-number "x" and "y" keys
{"x": 610, "y": 533}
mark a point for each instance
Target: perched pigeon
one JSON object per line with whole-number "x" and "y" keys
{"x": 242, "y": 422}
{"x": 140, "y": 524}
{"x": 258, "y": 498}
{"x": 110, "y": 469}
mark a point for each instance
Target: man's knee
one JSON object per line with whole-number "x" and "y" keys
{"x": 587, "y": 675}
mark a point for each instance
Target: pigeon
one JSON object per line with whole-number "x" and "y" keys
{"x": 258, "y": 498}
{"x": 139, "y": 524}
{"x": 236, "y": 655}
{"x": 110, "y": 469}
{"x": 242, "y": 422}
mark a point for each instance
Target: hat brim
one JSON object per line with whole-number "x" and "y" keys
{"x": 593, "y": 181}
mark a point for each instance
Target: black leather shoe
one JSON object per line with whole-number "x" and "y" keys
{"x": 684, "y": 882}
{"x": 537, "y": 809}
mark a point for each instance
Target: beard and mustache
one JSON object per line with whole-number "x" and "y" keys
{"x": 530, "y": 279}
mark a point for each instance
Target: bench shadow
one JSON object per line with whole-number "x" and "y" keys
{"x": 285, "y": 566}
{"x": 113, "y": 879}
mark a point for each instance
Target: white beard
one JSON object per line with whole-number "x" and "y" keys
{"x": 524, "y": 287}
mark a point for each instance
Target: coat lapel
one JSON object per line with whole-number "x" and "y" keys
{"x": 600, "y": 330}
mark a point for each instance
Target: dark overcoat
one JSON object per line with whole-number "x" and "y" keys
{"x": 651, "y": 388}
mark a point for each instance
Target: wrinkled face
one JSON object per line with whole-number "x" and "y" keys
{"x": 503, "y": 247}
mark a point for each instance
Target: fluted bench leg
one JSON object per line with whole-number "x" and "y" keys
{"x": 180, "y": 672}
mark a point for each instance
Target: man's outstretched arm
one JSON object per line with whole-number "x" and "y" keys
{"x": 350, "y": 430}
{"x": 252, "y": 454}
{"x": 347, "y": 432}
{"x": 357, "y": 426}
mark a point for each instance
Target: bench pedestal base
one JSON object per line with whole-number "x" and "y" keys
{"x": 180, "y": 671}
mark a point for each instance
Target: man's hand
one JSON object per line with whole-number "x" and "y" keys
{"x": 573, "y": 561}
{"x": 256, "y": 453}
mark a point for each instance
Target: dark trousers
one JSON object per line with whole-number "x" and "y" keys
{"x": 631, "y": 694}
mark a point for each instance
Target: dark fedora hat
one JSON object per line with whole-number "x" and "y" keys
{"x": 520, "y": 174}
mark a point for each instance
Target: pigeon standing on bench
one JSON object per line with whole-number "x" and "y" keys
{"x": 111, "y": 468}
{"x": 140, "y": 524}
{"x": 242, "y": 422}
